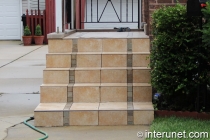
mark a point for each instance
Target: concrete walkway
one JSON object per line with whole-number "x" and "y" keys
{"x": 21, "y": 70}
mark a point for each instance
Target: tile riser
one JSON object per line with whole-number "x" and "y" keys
{"x": 99, "y": 45}
{"x": 94, "y": 94}
{"x": 92, "y": 118}
{"x": 104, "y": 116}
{"x": 96, "y": 60}
{"x": 96, "y": 76}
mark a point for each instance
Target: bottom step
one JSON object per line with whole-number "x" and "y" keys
{"x": 111, "y": 113}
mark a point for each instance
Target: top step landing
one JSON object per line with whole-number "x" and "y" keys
{"x": 103, "y": 35}
{"x": 98, "y": 34}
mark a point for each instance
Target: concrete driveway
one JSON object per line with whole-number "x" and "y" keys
{"x": 21, "y": 71}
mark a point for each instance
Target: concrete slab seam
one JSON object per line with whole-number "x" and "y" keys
{"x": 20, "y": 57}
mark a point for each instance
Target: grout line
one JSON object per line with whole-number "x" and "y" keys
{"x": 98, "y": 111}
{"x": 21, "y": 57}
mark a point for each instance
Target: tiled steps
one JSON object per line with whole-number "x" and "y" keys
{"x": 96, "y": 82}
{"x": 110, "y": 113}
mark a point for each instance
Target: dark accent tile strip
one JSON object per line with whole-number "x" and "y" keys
{"x": 129, "y": 60}
{"x": 70, "y": 94}
{"x": 75, "y": 48}
{"x": 72, "y": 77}
{"x": 74, "y": 60}
{"x": 130, "y": 94}
{"x": 129, "y": 45}
{"x": 130, "y": 113}
{"x": 130, "y": 75}
{"x": 66, "y": 114}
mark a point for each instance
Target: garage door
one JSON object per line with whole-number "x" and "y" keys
{"x": 10, "y": 20}
{"x": 123, "y": 10}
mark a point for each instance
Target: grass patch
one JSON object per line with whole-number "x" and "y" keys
{"x": 174, "y": 124}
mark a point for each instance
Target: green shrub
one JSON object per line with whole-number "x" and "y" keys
{"x": 175, "y": 57}
{"x": 206, "y": 39}
{"x": 27, "y": 31}
{"x": 38, "y": 31}
{"x": 206, "y": 27}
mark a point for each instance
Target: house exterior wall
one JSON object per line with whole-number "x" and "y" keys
{"x": 149, "y": 6}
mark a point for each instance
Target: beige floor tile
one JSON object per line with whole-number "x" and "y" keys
{"x": 55, "y": 77}
{"x": 140, "y": 45}
{"x": 86, "y": 94}
{"x": 84, "y": 106}
{"x": 114, "y": 60}
{"x": 58, "y": 61}
{"x": 84, "y": 60}
{"x": 114, "y": 45}
{"x": 141, "y": 76}
{"x": 143, "y": 106}
{"x": 50, "y": 107}
{"x": 142, "y": 94}
{"x": 143, "y": 117}
{"x": 113, "y": 106}
{"x": 89, "y": 45}
{"x": 141, "y": 60}
{"x": 87, "y": 76}
{"x": 114, "y": 84}
{"x": 112, "y": 117}
{"x": 56, "y": 94}
{"x": 83, "y": 118}
{"x": 60, "y": 46}
{"x": 113, "y": 76}
{"x": 142, "y": 84}
{"x": 48, "y": 119}
{"x": 113, "y": 94}
{"x": 87, "y": 85}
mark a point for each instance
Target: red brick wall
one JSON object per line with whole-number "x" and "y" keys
{"x": 148, "y": 6}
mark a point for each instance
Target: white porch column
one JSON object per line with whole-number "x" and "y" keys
{"x": 58, "y": 10}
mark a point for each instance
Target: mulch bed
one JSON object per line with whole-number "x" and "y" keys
{"x": 185, "y": 114}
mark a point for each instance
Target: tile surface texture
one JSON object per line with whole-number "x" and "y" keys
{"x": 56, "y": 77}
{"x": 142, "y": 94}
{"x": 141, "y": 76}
{"x": 114, "y": 76}
{"x": 114, "y": 60}
{"x": 88, "y": 60}
{"x": 53, "y": 94}
{"x": 58, "y": 61}
{"x": 114, "y": 45}
{"x": 86, "y": 94}
{"x": 60, "y": 46}
{"x": 87, "y": 76}
{"x": 113, "y": 94}
{"x": 48, "y": 119}
{"x": 83, "y": 118}
{"x": 140, "y": 60}
{"x": 89, "y": 45}
{"x": 140, "y": 45}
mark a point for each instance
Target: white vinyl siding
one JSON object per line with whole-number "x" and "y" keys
{"x": 24, "y": 6}
{"x": 34, "y": 4}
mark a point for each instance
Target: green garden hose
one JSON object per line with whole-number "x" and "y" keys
{"x": 34, "y": 128}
